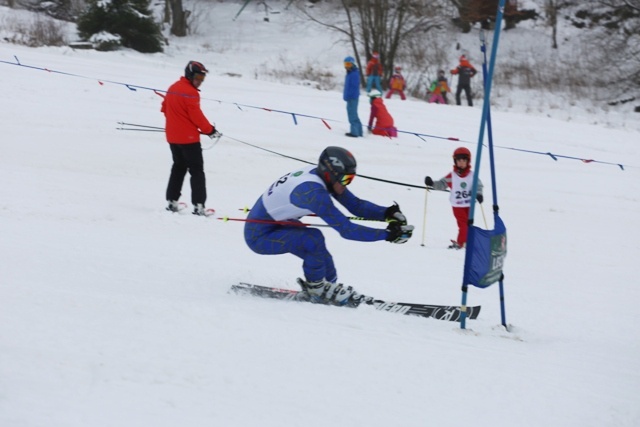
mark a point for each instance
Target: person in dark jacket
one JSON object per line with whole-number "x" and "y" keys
{"x": 351, "y": 95}
{"x": 465, "y": 72}
{"x": 184, "y": 124}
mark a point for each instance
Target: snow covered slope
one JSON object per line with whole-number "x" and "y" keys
{"x": 115, "y": 312}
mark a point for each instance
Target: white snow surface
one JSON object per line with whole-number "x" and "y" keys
{"x": 116, "y": 312}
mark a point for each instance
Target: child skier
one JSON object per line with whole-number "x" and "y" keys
{"x": 459, "y": 182}
{"x": 397, "y": 84}
{"x": 384, "y": 122}
{"x": 439, "y": 88}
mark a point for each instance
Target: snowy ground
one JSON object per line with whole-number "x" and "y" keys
{"x": 114, "y": 312}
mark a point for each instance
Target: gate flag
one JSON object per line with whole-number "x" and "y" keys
{"x": 488, "y": 250}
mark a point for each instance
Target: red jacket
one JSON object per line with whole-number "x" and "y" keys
{"x": 184, "y": 118}
{"x": 374, "y": 68}
{"x": 380, "y": 114}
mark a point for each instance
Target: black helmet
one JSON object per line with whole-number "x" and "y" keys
{"x": 335, "y": 163}
{"x": 194, "y": 67}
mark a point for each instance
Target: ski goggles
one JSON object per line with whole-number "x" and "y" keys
{"x": 347, "y": 178}
{"x": 348, "y": 65}
{"x": 198, "y": 77}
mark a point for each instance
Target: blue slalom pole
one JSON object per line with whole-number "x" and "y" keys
{"x": 483, "y": 121}
{"x": 483, "y": 48}
{"x": 494, "y": 186}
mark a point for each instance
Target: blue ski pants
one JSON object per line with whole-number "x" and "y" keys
{"x": 354, "y": 120}
{"x": 373, "y": 80}
{"x": 305, "y": 243}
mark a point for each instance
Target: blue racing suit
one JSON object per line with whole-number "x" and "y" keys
{"x": 295, "y": 195}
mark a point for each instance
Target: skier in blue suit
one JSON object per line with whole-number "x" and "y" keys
{"x": 309, "y": 190}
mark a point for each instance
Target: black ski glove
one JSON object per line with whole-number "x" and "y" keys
{"x": 214, "y": 133}
{"x": 393, "y": 214}
{"x": 479, "y": 198}
{"x": 398, "y": 233}
{"x": 428, "y": 181}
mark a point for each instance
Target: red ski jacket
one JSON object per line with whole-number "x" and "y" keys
{"x": 184, "y": 118}
{"x": 380, "y": 114}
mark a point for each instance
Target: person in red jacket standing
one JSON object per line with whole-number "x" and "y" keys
{"x": 384, "y": 122}
{"x": 184, "y": 124}
{"x": 460, "y": 183}
{"x": 374, "y": 72}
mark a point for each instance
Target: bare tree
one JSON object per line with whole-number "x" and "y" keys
{"x": 385, "y": 26}
{"x": 178, "y": 17}
{"x": 552, "y": 10}
{"x": 612, "y": 40}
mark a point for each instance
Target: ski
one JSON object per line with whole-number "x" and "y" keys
{"x": 441, "y": 312}
{"x": 209, "y": 212}
{"x": 183, "y": 209}
{"x": 181, "y": 206}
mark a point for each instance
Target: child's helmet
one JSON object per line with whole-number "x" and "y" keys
{"x": 375, "y": 93}
{"x": 398, "y": 68}
{"x": 334, "y": 163}
{"x": 350, "y": 60}
{"x": 462, "y": 153}
{"x": 193, "y": 68}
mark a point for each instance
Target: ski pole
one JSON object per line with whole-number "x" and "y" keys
{"x": 358, "y": 218}
{"x": 140, "y": 126}
{"x": 216, "y": 138}
{"x": 353, "y": 218}
{"x": 266, "y": 221}
{"x": 424, "y": 216}
{"x": 142, "y": 130}
{"x": 483, "y": 217}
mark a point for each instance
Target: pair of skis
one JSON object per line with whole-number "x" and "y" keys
{"x": 441, "y": 312}
{"x": 182, "y": 206}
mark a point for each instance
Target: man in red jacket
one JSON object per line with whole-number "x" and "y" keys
{"x": 184, "y": 124}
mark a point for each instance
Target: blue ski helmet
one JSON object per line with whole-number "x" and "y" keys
{"x": 350, "y": 60}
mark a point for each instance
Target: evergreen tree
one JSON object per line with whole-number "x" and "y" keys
{"x": 130, "y": 20}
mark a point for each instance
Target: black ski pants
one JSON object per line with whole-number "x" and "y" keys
{"x": 187, "y": 157}
{"x": 467, "y": 91}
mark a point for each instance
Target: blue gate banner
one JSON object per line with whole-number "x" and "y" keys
{"x": 488, "y": 251}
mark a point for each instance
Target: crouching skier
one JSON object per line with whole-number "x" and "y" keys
{"x": 310, "y": 190}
